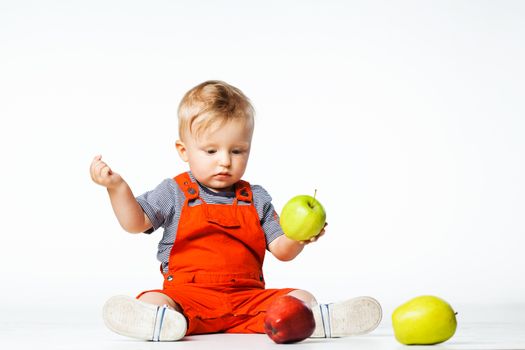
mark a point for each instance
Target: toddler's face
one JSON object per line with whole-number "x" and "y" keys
{"x": 218, "y": 157}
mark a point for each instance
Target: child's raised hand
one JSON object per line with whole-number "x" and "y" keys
{"x": 102, "y": 174}
{"x": 315, "y": 238}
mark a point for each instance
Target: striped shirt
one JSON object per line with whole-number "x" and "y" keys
{"x": 163, "y": 206}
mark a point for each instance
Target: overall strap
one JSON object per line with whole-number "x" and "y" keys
{"x": 188, "y": 187}
{"x": 243, "y": 191}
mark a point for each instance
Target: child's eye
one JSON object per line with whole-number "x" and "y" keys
{"x": 237, "y": 151}
{"x": 211, "y": 151}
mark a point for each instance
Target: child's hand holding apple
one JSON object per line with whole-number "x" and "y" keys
{"x": 315, "y": 238}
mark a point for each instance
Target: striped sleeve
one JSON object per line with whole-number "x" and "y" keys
{"x": 267, "y": 214}
{"x": 159, "y": 204}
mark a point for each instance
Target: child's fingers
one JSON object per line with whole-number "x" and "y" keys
{"x": 92, "y": 165}
{"x": 101, "y": 173}
{"x": 99, "y": 167}
{"x": 106, "y": 171}
{"x": 315, "y": 238}
{"x": 100, "y": 170}
{"x": 95, "y": 161}
{"x": 322, "y": 232}
{"x": 93, "y": 169}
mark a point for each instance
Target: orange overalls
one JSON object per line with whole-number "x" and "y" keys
{"x": 215, "y": 265}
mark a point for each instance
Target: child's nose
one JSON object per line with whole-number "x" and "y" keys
{"x": 225, "y": 159}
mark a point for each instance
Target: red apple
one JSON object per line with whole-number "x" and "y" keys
{"x": 289, "y": 320}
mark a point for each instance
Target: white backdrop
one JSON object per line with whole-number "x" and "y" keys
{"x": 407, "y": 116}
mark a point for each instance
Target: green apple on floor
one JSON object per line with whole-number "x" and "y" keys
{"x": 424, "y": 320}
{"x": 302, "y": 218}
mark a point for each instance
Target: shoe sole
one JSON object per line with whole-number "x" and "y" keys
{"x": 135, "y": 319}
{"x": 356, "y": 316}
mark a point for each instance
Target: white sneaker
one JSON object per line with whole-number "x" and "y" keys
{"x": 352, "y": 317}
{"x": 136, "y": 319}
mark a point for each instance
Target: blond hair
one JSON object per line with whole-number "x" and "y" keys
{"x": 212, "y": 102}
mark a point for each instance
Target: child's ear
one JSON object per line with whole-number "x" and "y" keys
{"x": 181, "y": 149}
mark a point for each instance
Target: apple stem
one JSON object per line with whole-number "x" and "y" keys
{"x": 311, "y": 203}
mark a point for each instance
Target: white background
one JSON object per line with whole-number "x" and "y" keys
{"x": 407, "y": 116}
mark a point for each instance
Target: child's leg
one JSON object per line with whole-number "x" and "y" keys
{"x": 159, "y": 299}
{"x": 305, "y": 296}
{"x": 351, "y": 317}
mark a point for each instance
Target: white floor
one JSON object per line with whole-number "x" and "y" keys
{"x": 479, "y": 327}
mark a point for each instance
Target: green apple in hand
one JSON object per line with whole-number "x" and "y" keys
{"x": 302, "y": 218}
{"x": 424, "y": 320}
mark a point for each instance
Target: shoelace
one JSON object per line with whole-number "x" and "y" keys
{"x": 159, "y": 319}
